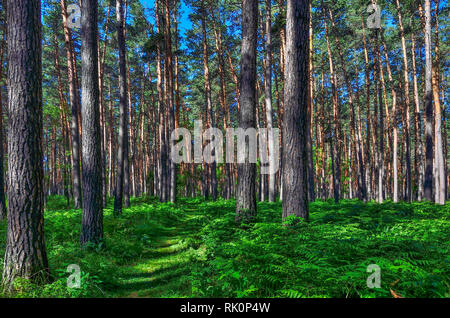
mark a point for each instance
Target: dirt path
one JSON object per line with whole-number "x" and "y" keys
{"x": 164, "y": 272}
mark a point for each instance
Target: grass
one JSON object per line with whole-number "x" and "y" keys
{"x": 194, "y": 249}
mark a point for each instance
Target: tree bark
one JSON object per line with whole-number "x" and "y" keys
{"x": 128, "y": 145}
{"x": 170, "y": 105}
{"x": 25, "y": 254}
{"x": 309, "y": 140}
{"x": 246, "y": 186}
{"x": 209, "y": 110}
{"x": 440, "y": 194}
{"x": 335, "y": 149}
{"x": 73, "y": 93}
{"x": 418, "y": 145}
{"x": 223, "y": 100}
{"x": 123, "y": 135}
{"x": 268, "y": 96}
{"x": 101, "y": 67}
{"x": 2, "y": 181}
{"x": 92, "y": 220}
{"x": 407, "y": 103}
{"x": 428, "y": 184}
{"x": 395, "y": 195}
{"x": 295, "y": 157}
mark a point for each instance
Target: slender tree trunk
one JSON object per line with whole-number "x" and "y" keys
{"x": 2, "y": 182}
{"x": 428, "y": 184}
{"x": 25, "y": 254}
{"x": 368, "y": 161}
{"x": 381, "y": 124}
{"x": 92, "y": 221}
{"x": 376, "y": 105}
{"x": 63, "y": 120}
{"x": 110, "y": 142}
{"x": 101, "y": 67}
{"x": 360, "y": 148}
{"x": 336, "y": 138}
{"x": 309, "y": 141}
{"x": 223, "y": 101}
{"x": 440, "y": 194}
{"x": 407, "y": 103}
{"x": 123, "y": 135}
{"x": 394, "y": 123}
{"x": 128, "y": 145}
{"x": 322, "y": 122}
{"x": 162, "y": 162}
{"x": 209, "y": 111}
{"x": 295, "y": 156}
{"x": 246, "y": 186}
{"x": 268, "y": 97}
{"x": 418, "y": 145}
{"x": 170, "y": 104}
{"x": 75, "y": 129}
{"x": 53, "y": 150}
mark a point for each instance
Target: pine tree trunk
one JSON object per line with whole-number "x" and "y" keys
{"x": 335, "y": 149}
{"x": 92, "y": 221}
{"x": 381, "y": 125}
{"x": 110, "y": 142}
{"x": 169, "y": 94}
{"x": 63, "y": 120}
{"x": 162, "y": 159}
{"x": 246, "y": 186}
{"x": 2, "y": 181}
{"x": 104, "y": 138}
{"x": 309, "y": 141}
{"x": 25, "y": 254}
{"x": 209, "y": 111}
{"x": 223, "y": 100}
{"x": 395, "y": 196}
{"x": 407, "y": 103}
{"x": 74, "y": 102}
{"x": 428, "y": 184}
{"x": 123, "y": 135}
{"x": 268, "y": 97}
{"x": 440, "y": 195}
{"x": 295, "y": 157}
{"x": 368, "y": 157}
{"x": 418, "y": 145}
{"x": 128, "y": 145}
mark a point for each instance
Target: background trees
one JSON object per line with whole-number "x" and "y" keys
{"x": 361, "y": 109}
{"x": 365, "y": 130}
{"x": 367, "y": 92}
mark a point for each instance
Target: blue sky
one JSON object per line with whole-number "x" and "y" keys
{"x": 184, "y": 22}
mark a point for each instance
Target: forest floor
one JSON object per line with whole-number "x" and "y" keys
{"x": 194, "y": 249}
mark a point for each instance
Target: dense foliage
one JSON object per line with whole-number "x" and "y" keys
{"x": 194, "y": 249}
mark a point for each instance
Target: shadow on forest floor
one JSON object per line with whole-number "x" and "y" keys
{"x": 195, "y": 249}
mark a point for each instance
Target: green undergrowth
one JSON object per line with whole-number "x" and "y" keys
{"x": 194, "y": 249}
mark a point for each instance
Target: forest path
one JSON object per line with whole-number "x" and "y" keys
{"x": 163, "y": 271}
